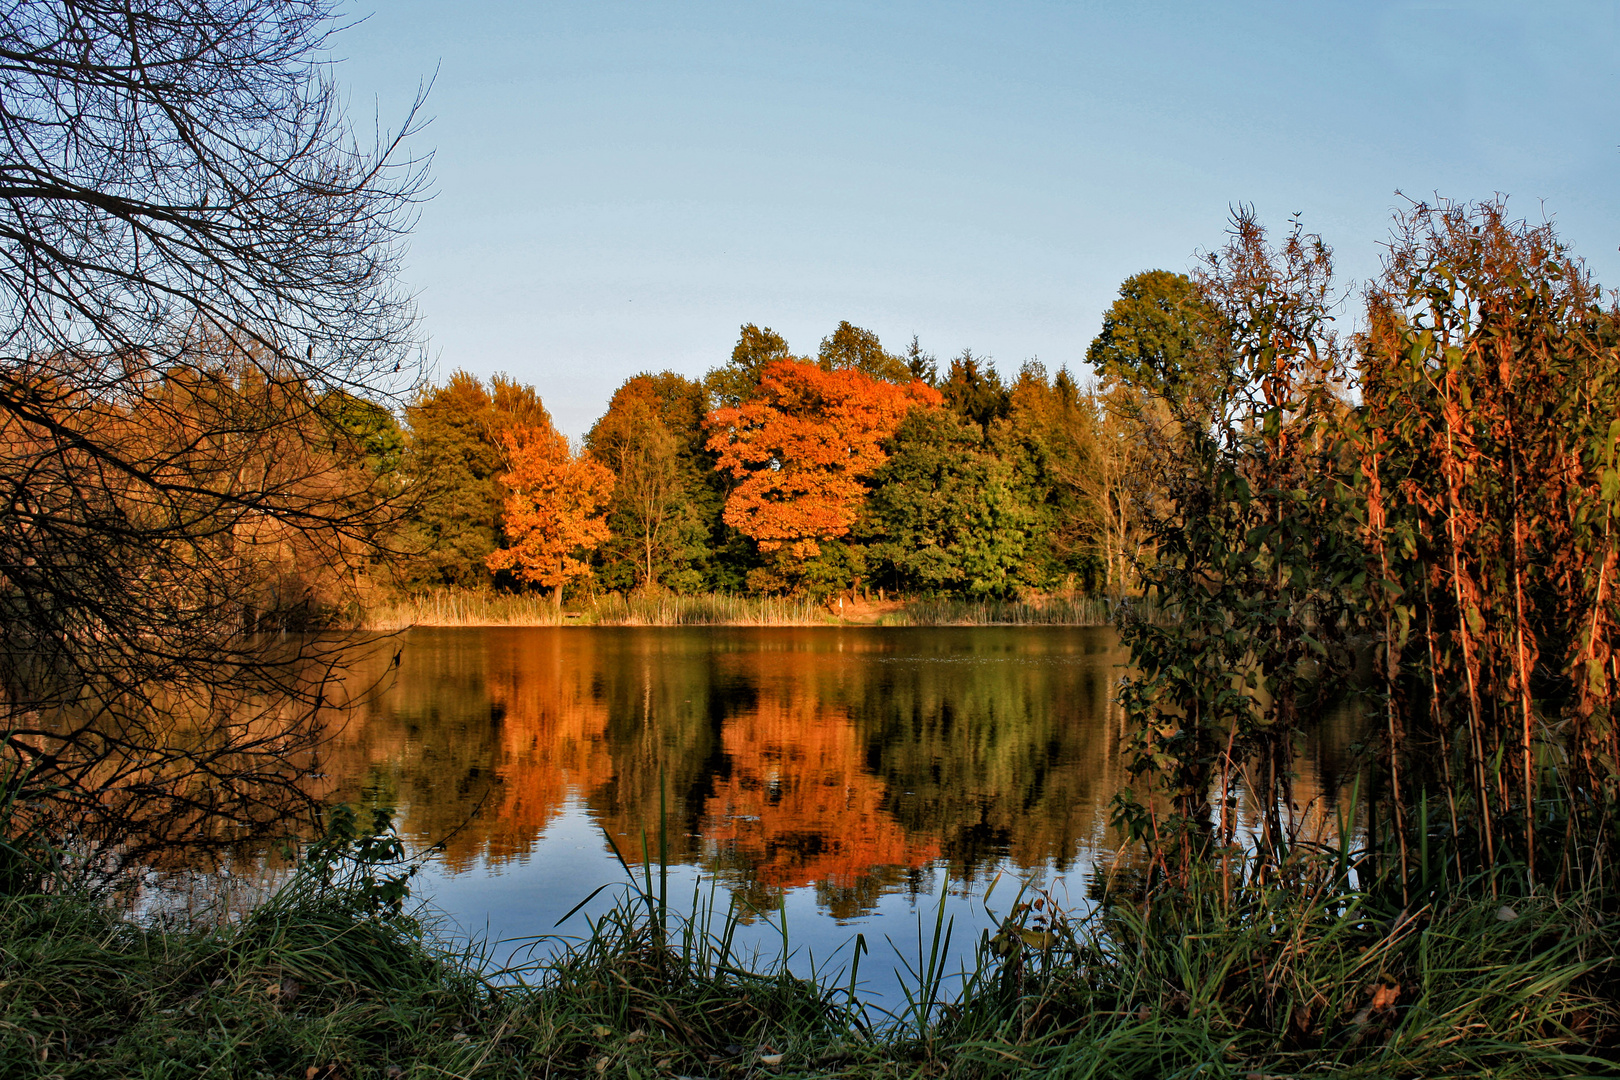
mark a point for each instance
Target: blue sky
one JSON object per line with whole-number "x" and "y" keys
{"x": 620, "y": 186}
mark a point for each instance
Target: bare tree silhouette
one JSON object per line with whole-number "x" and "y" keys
{"x": 198, "y": 288}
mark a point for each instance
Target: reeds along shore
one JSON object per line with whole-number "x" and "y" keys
{"x": 1233, "y": 978}
{"x": 458, "y": 607}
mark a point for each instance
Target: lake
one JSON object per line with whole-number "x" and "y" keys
{"x": 838, "y": 779}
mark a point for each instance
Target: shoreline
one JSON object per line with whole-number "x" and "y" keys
{"x": 456, "y": 608}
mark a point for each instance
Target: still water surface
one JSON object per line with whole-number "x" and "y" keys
{"x": 838, "y": 778}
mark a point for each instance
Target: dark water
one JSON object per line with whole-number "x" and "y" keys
{"x": 843, "y": 780}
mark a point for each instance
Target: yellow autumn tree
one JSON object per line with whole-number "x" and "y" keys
{"x": 556, "y": 509}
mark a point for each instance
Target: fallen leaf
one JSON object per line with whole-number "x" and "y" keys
{"x": 601, "y": 1032}
{"x": 1384, "y": 997}
{"x": 771, "y": 1059}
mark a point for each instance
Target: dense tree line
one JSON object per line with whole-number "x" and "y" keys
{"x": 855, "y": 470}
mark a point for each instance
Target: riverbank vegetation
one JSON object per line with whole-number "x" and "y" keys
{"x": 489, "y": 607}
{"x": 333, "y": 978}
{"x": 1456, "y": 526}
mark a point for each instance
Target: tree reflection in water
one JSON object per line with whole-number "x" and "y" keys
{"x": 844, "y": 759}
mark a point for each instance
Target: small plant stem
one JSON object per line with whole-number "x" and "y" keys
{"x": 1453, "y": 507}
{"x": 1439, "y": 725}
{"x": 1375, "y": 532}
{"x": 663, "y": 857}
{"x": 1523, "y": 675}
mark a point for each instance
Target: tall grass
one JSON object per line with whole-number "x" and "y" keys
{"x": 463, "y": 607}
{"x": 460, "y": 607}
{"x": 1258, "y": 976}
{"x": 1228, "y": 978}
{"x": 1049, "y": 611}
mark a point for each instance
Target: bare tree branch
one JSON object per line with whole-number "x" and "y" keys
{"x": 198, "y": 272}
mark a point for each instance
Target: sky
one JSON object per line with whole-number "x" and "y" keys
{"x": 618, "y": 187}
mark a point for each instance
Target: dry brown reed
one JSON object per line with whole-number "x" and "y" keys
{"x": 469, "y": 608}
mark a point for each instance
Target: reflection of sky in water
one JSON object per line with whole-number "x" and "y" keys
{"x": 513, "y": 908}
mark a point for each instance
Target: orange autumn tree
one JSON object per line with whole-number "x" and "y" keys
{"x": 556, "y": 510}
{"x": 802, "y": 447}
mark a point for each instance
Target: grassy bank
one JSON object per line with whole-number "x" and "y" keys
{"x": 457, "y": 607}
{"x": 322, "y": 983}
